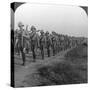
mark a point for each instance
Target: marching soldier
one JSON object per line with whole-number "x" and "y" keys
{"x": 16, "y": 45}
{"x": 54, "y": 43}
{"x": 34, "y": 41}
{"x": 57, "y": 43}
{"x": 48, "y": 43}
{"x": 21, "y": 41}
{"x": 27, "y": 40}
{"x": 42, "y": 43}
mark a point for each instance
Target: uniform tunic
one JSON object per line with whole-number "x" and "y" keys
{"x": 42, "y": 45}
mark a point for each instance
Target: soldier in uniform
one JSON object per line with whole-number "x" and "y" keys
{"x": 16, "y": 45}
{"x": 59, "y": 38}
{"x": 34, "y": 41}
{"x": 27, "y": 45}
{"x": 54, "y": 43}
{"x": 21, "y": 41}
{"x": 57, "y": 43}
{"x": 42, "y": 43}
{"x": 48, "y": 43}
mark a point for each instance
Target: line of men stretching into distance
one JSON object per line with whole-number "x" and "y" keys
{"x": 29, "y": 40}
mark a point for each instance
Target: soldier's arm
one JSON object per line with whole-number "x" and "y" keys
{"x": 50, "y": 40}
{"x": 45, "y": 41}
{"x": 27, "y": 27}
{"x": 38, "y": 30}
{"x": 25, "y": 36}
{"x": 38, "y": 38}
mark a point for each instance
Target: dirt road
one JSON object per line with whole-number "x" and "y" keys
{"x": 22, "y": 71}
{"x": 54, "y": 70}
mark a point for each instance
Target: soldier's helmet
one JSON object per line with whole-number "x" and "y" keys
{"x": 47, "y": 32}
{"x": 20, "y": 24}
{"x": 42, "y": 32}
{"x": 33, "y": 28}
{"x": 53, "y": 32}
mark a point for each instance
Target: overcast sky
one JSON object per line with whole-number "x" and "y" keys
{"x": 71, "y": 20}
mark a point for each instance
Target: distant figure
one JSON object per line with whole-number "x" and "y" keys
{"x": 42, "y": 43}
{"x": 48, "y": 43}
{"x": 54, "y": 43}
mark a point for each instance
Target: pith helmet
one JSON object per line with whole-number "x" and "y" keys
{"x": 41, "y": 31}
{"x": 47, "y": 32}
{"x": 20, "y": 24}
{"x": 33, "y": 28}
{"x": 53, "y": 32}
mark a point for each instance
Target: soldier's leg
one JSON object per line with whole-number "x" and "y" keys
{"x": 56, "y": 49}
{"x": 27, "y": 48}
{"x": 23, "y": 55}
{"x": 33, "y": 51}
{"x": 48, "y": 50}
{"x": 18, "y": 49}
{"x": 53, "y": 50}
{"x": 42, "y": 52}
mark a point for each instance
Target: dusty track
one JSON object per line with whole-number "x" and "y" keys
{"x": 62, "y": 70}
{"x": 22, "y": 71}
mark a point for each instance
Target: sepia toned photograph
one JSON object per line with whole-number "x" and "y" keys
{"x": 49, "y": 44}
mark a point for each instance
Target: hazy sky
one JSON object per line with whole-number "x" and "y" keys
{"x": 71, "y": 20}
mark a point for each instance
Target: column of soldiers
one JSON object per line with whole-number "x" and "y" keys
{"x": 29, "y": 40}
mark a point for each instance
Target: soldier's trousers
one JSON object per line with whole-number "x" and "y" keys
{"x": 17, "y": 49}
{"x": 48, "y": 50}
{"x": 54, "y": 48}
{"x": 42, "y": 51}
{"x": 54, "y": 51}
{"x": 33, "y": 51}
{"x": 23, "y": 54}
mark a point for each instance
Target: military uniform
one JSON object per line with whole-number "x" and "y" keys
{"x": 21, "y": 41}
{"x": 42, "y": 44}
{"x": 34, "y": 41}
{"x": 48, "y": 43}
{"x": 27, "y": 39}
{"x": 33, "y": 44}
{"x": 54, "y": 44}
{"x": 16, "y": 44}
{"x": 58, "y": 45}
